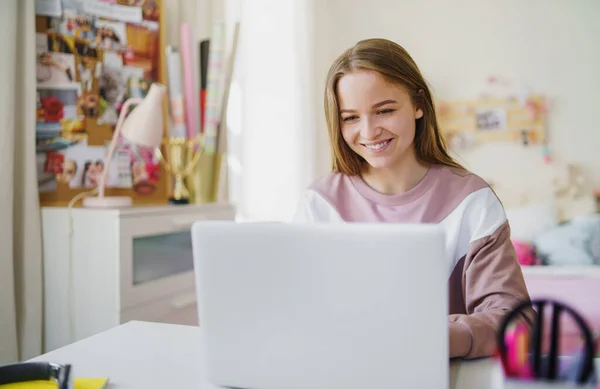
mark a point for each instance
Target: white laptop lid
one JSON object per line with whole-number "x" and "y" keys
{"x": 322, "y": 305}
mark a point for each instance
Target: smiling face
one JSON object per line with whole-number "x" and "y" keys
{"x": 377, "y": 119}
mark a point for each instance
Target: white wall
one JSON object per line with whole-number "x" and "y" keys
{"x": 198, "y": 13}
{"x": 551, "y": 45}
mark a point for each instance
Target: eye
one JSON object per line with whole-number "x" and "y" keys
{"x": 350, "y": 118}
{"x": 385, "y": 111}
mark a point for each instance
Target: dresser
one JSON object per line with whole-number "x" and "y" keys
{"x": 105, "y": 267}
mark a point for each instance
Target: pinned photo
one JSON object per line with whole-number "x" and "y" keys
{"x": 493, "y": 119}
{"x": 57, "y": 111}
{"x": 53, "y": 167}
{"x": 92, "y": 171}
{"x": 46, "y": 182}
{"x": 145, "y": 168}
{"x": 89, "y": 105}
{"x": 142, "y": 51}
{"x": 46, "y": 179}
{"x": 75, "y": 6}
{"x": 113, "y": 91}
{"x": 41, "y": 43}
{"x": 89, "y": 70}
{"x": 111, "y": 9}
{"x": 132, "y": 71}
{"x": 150, "y": 10}
{"x": 75, "y": 25}
{"x": 48, "y": 7}
{"x": 110, "y": 35}
{"x": 55, "y": 68}
{"x": 119, "y": 175}
{"x": 138, "y": 87}
{"x": 63, "y": 169}
{"x": 131, "y": 3}
{"x": 113, "y": 59}
{"x": 85, "y": 164}
{"x": 71, "y": 45}
{"x": 149, "y": 7}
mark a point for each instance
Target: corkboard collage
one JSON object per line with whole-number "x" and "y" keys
{"x": 91, "y": 56}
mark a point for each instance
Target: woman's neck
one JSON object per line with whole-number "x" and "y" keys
{"x": 397, "y": 180}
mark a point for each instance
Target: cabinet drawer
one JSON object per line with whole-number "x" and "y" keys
{"x": 156, "y": 253}
{"x": 177, "y": 309}
{"x": 148, "y": 224}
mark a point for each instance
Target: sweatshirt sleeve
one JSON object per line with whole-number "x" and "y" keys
{"x": 304, "y": 209}
{"x": 492, "y": 283}
{"x": 314, "y": 208}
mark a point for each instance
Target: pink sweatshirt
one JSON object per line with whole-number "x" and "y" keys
{"x": 485, "y": 279}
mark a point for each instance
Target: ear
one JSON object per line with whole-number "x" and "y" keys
{"x": 418, "y": 113}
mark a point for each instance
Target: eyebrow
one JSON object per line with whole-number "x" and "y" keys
{"x": 376, "y": 105}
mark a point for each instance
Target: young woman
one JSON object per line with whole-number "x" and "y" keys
{"x": 390, "y": 164}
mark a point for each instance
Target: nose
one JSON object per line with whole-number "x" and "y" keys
{"x": 370, "y": 130}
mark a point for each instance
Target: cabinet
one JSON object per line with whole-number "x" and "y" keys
{"x": 104, "y": 267}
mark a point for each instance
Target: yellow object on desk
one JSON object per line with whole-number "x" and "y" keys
{"x": 78, "y": 383}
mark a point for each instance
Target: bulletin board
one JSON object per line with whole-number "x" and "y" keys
{"x": 495, "y": 119}
{"x": 91, "y": 56}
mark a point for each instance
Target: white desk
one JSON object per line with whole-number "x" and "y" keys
{"x": 151, "y": 355}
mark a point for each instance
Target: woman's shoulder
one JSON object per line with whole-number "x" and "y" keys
{"x": 462, "y": 184}
{"x": 321, "y": 198}
{"x": 330, "y": 184}
{"x": 460, "y": 176}
{"x": 459, "y": 190}
{"x": 473, "y": 200}
{"x": 330, "y": 188}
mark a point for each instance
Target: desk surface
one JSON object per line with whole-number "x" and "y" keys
{"x": 152, "y": 355}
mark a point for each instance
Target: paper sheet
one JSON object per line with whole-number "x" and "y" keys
{"x": 113, "y": 11}
{"x": 48, "y": 7}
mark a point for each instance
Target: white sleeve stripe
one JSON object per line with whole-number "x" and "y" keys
{"x": 479, "y": 215}
{"x": 481, "y": 212}
{"x": 314, "y": 208}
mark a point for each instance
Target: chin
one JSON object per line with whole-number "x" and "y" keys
{"x": 379, "y": 163}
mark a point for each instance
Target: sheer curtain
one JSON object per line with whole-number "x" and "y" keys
{"x": 20, "y": 230}
{"x": 272, "y": 116}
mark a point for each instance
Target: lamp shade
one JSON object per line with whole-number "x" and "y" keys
{"x": 144, "y": 125}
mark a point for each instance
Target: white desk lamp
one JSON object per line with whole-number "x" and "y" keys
{"x": 143, "y": 127}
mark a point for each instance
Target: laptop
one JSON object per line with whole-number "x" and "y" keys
{"x": 322, "y": 306}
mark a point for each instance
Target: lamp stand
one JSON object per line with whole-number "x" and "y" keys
{"x": 102, "y": 201}
{"x": 108, "y": 202}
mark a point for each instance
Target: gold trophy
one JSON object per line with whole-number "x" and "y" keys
{"x": 181, "y": 156}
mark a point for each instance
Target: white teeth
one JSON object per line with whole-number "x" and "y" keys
{"x": 377, "y": 146}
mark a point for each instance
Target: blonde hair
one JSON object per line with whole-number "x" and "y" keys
{"x": 395, "y": 65}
